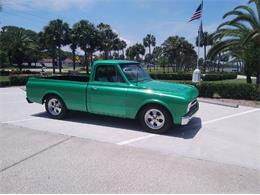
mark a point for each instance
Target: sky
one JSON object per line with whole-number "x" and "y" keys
{"x": 131, "y": 19}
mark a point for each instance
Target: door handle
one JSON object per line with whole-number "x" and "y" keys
{"x": 93, "y": 88}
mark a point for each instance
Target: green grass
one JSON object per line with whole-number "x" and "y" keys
{"x": 4, "y": 78}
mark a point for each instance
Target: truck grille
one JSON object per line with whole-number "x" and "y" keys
{"x": 194, "y": 106}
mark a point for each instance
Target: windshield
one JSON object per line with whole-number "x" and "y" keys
{"x": 134, "y": 72}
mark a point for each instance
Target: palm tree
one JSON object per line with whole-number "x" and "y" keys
{"x": 149, "y": 41}
{"x": 87, "y": 36}
{"x": 73, "y": 41}
{"x": 56, "y": 36}
{"x": 17, "y": 43}
{"x": 134, "y": 52}
{"x": 116, "y": 47}
{"x": 207, "y": 40}
{"x": 107, "y": 38}
{"x": 177, "y": 49}
{"x": 240, "y": 36}
{"x": 122, "y": 46}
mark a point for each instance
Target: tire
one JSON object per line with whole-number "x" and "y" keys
{"x": 55, "y": 107}
{"x": 155, "y": 119}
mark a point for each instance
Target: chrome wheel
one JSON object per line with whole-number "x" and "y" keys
{"x": 154, "y": 119}
{"x": 54, "y": 106}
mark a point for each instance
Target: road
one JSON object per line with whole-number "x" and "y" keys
{"x": 218, "y": 152}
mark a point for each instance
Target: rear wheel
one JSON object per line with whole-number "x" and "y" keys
{"x": 155, "y": 119}
{"x": 55, "y": 107}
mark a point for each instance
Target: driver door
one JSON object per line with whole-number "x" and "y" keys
{"x": 107, "y": 92}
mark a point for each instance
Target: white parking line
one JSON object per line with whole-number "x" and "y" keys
{"x": 203, "y": 123}
{"x": 136, "y": 139}
{"x": 22, "y": 120}
{"x": 230, "y": 116}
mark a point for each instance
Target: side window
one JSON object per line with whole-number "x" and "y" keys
{"x": 108, "y": 73}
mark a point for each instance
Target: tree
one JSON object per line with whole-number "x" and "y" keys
{"x": 116, "y": 48}
{"x": 122, "y": 46}
{"x": 240, "y": 36}
{"x": 107, "y": 38}
{"x": 33, "y": 53}
{"x": 207, "y": 40}
{"x": 134, "y": 52}
{"x": 179, "y": 52}
{"x": 88, "y": 40}
{"x": 73, "y": 41}
{"x": 55, "y": 35}
{"x": 149, "y": 41}
{"x": 17, "y": 43}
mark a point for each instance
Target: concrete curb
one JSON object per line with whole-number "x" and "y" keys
{"x": 219, "y": 103}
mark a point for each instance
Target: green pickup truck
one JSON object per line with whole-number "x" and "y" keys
{"x": 117, "y": 88}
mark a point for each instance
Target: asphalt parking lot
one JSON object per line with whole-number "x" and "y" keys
{"x": 217, "y": 152}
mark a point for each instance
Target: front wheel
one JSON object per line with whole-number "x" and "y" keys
{"x": 55, "y": 107}
{"x": 155, "y": 119}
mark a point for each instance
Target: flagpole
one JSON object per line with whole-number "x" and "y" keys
{"x": 199, "y": 37}
{"x": 196, "y": 76}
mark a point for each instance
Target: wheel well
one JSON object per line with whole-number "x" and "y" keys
{"x": 150, "y": 104}
{"x": 50, "y": 94}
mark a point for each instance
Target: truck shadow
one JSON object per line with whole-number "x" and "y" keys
{"x": 186, "y": 132}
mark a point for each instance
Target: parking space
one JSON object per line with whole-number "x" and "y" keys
{"x": 217, "y": 133}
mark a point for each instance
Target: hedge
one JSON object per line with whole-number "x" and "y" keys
{"x": 16, "y": 72}
{"x": 15, "y": 80}
{"x": 219, "y": 76}
{"x": 227, "y": 90}
{"x": 171, "y": 76}
{"x": 188, "y": 76}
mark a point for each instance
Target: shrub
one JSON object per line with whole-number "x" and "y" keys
{"x": 19, "y": 79}
{"x": 236, "y": 90}
{"x": 4, "y": 83}
{"x": 188, "y": 76}
{"x": 227, "y": 90}
{"x": 171, "y": 76}
{"x": 16, "y": 72}
{"x": 219, "y": 76}
{"x": 4, "y": 73}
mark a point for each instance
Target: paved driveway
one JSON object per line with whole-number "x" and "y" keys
{"x": 219, "y": 140}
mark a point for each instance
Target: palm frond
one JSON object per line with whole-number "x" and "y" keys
{"x": 249, "y": 10}
{"x": 250, "y": 36}
{"x": 257, "y": 3}
{"x": 233, "y": 13}
{"x": 222, "y": 46}
{"x": 246, "y": 18}
{"x": 233, "y": 24}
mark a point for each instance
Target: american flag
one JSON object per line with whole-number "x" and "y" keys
{"x": 198, "y": 13}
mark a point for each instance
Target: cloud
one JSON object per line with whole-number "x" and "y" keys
{"x": 128, "y": 42}
{"x": 53, "y": 5}
{"x": 78, "y": 50}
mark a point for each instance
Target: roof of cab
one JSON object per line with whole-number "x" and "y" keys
{"x": 114, "y": 62}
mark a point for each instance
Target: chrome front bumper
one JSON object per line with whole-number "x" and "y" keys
{"x": 192, "y": 110}
{"x": 185, "y": 120}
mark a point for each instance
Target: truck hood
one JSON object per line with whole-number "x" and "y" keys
{"x": 188, "y": 92}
